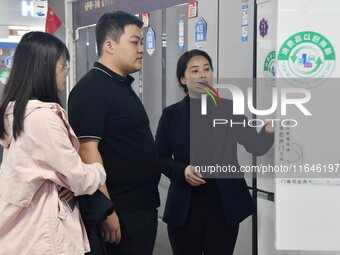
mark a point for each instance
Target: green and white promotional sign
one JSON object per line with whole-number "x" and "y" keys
{"x": 4, "y": 76}
{"x": 269, "y": 68}
{"x": 306, "y": 54}
{"x": 307, "y": 214}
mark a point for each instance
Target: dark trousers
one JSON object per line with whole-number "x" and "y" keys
{"x": 205, "y": 231}
{"x": 139, "y": 231}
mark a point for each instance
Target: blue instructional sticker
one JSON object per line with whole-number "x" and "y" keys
{"x": 244, "y": 33}
{"x": 150, "y": 41}
{"x": 9, "y": 61}
{"x": 181, "y": 34}
{"x": 244, "y": 25}
{"x": 200, "y": 31}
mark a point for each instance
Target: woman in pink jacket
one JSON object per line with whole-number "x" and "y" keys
{"x": 41, "y": 167}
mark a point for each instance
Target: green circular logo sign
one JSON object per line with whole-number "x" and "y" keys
{"x": 269, "y": 69}
{"x": 306, "y": 59}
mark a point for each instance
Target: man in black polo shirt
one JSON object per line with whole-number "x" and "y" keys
{"x": 112, "y": 125}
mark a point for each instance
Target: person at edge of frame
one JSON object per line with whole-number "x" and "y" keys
{"x": 41, "y": 171}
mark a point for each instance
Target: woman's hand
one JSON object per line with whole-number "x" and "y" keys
{"x": 193, "y": 177}
{"x": 270, "y": 128}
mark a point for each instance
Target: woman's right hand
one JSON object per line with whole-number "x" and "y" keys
{"x": 193, "y": 177}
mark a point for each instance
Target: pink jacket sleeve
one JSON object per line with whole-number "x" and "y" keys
{"x": 49, "y": 142}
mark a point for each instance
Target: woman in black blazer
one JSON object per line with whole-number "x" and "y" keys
{"x": 203, "y": 214}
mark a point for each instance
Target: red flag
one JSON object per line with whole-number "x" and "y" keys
{"x": 52, "y": 21}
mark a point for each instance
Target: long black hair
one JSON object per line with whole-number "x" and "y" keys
{"x": 33, "y": 76}
{"x": 182, "y": 64}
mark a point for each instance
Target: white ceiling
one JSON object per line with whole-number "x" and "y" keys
{"x": 11, "y": 15}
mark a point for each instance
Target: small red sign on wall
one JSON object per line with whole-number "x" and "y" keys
{"x": 192, "y": 9}
{"x": 145, "y": 19}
